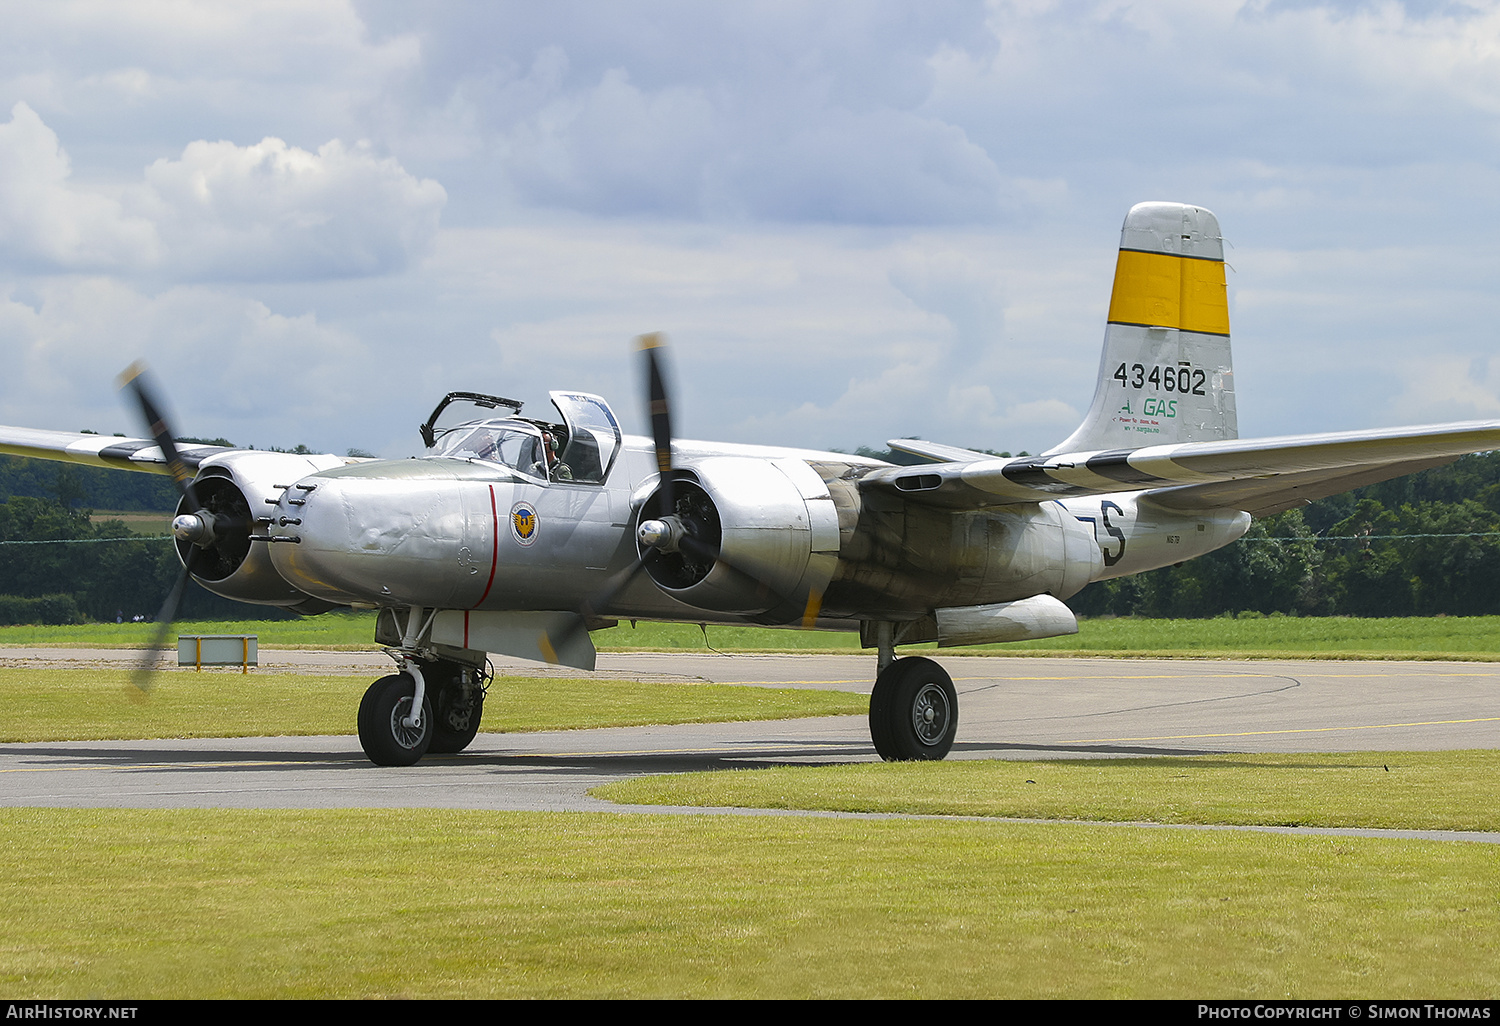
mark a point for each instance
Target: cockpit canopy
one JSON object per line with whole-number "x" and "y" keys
{"x": 515, "y": 444}
{"x": 583, "y": 448}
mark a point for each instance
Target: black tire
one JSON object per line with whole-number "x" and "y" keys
{"x": 913, "y": 711}
{"x": 455, "y": 723}
{"x": 385, "y": 741}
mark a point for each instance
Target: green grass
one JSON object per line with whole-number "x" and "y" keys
{"x": 1338, "y": 637}
{"x": 421, "y": 903}
{"x": 1399, "y": 790}
{"x": 329, "y": 631}
{"x": 63, "y": 705}
{"x": 1334, "y": 637}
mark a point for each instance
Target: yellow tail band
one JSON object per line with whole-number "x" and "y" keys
{"x": 1163, "y": 290}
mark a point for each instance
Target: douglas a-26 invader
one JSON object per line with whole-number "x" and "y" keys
{"x": 520, "y": 535}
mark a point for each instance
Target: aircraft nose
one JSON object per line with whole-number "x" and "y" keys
{"x": 376, "y": 533}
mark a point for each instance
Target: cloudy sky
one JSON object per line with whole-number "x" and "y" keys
{"x": 856, "y": 220}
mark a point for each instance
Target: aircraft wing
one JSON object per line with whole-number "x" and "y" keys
{"x": 1260, "y": 476}
{"x": 141, "y": 454}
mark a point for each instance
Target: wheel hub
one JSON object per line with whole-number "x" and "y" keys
{"x": 406, "y": 737}
{"x": 929, "y": 715}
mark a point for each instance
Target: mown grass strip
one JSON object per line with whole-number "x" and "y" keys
{"x": 91, "y": 705}
{"x": 227, "y": 903}
{"x": 1273, "y": 637}
{"x": 1399, "y": 790}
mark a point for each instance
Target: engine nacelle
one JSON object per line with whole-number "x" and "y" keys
{"x": 235, "y": 487}
{"x": 766, "y": 537}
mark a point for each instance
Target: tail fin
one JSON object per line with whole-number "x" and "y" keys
{"x": 1165, "y": 375}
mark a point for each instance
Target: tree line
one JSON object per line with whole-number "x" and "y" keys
{"x": 59, "y": 563}
{"x": 1423, "y": 545}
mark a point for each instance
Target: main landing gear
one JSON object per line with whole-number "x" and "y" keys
{"x": 913, "y": 711}
{"x": 914, "y": 707}
{"x": 452, "y": 705}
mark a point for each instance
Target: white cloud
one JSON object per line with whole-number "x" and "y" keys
{"x": 272, "y": 211}
{"x": 46, "y": 222}
{"x": 66, "y": 340}
{"x": 264, "y": 212}
{"x": 857, "y": 219}
{"x": 1449, "y": 388}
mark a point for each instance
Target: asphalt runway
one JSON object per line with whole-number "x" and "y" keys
{"x": 1009, "y": 708}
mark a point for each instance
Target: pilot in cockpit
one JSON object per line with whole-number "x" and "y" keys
{"x": 559, "y": 469}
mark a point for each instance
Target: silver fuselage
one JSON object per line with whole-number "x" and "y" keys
{"x": 464, "y": 533}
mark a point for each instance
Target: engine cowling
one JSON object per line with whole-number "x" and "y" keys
{"x": 766, "y": 535}
{"x": 233, "y": 489}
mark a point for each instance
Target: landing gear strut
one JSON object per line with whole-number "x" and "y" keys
{"x": 913, "y": 710}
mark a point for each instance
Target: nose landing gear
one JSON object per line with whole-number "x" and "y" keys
{"x": 452, "y": 707}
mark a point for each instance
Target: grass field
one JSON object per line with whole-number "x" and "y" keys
{"x": 1395, "y": 790}
{"x": 78, "y": 705}
{"x": 424, "y": 903}
{"x": 1454, "y": 637}
{"x": 427, "y": 903}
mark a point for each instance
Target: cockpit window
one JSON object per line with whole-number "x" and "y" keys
{"x": 514, "y": 446}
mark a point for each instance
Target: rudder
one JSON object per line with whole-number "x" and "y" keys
{"x": 1165, "y": 375}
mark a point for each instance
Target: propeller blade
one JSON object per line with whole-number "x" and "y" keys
{"x": 653, "y": 346}
{"x": 143, "y": 673}
{"x": 134, "y": 379}
{"x": 601, "y": 599}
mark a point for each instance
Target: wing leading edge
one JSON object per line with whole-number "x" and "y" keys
{"x": 1260, "y": 476}
{"x": 140, "y": 454}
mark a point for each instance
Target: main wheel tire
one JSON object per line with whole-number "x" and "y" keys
{"x": 382, "y": 735}
{"x": 913, "y": 711}
{"x": 453, "y": 726}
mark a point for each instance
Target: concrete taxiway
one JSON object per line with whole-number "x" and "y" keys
{"x": 1010, "y": 708}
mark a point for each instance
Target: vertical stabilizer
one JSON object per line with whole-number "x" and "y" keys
{"x": 1165, "y": 375}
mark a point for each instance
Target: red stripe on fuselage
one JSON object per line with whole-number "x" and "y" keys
{"x": 494, "y": 558}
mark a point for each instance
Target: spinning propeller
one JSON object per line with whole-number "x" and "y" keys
{"x": 196, "y": 532}
{"x": 678, "y": 540}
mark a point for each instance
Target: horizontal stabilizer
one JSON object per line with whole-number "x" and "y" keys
{"x": 937, "y": 451}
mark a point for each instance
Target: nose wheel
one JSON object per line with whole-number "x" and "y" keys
{"x": 913, "y": 711}
{"x": 384, "y": 731}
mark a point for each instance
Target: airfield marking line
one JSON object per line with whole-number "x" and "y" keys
{"x": 168, "y": 765}
{"x": 861, "y": 681}
{"x": 470, "y": 757}
{"x": 1300, "y": 730}
{"x": 1134, "y": 676}
{"x": 1240, "y": 674}
{"x": 728, "y": 751}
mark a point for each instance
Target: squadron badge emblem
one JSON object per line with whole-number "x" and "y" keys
{"x": 523, "y": 522}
